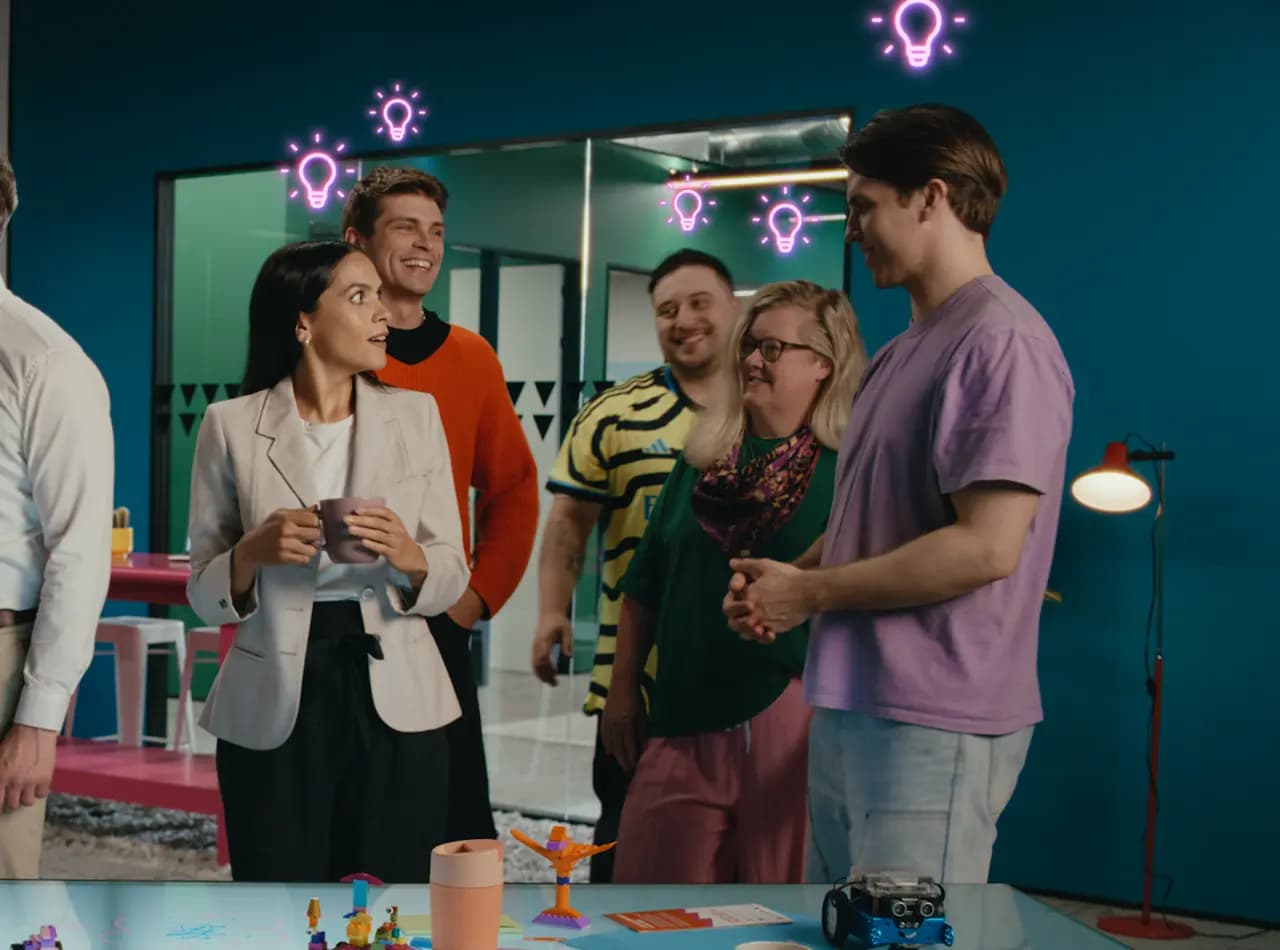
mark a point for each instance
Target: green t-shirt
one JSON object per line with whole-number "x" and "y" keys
{"x": 709, "y": 678}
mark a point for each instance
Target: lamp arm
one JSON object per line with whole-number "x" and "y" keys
{"x": 1152, "y": 456}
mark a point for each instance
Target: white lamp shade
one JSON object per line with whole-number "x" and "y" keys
{"x": 1111, "y": 491}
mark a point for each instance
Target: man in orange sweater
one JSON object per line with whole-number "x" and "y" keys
{"x": 396, "y": 216}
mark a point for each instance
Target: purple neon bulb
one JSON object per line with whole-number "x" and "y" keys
{"x": 687, "y": 205}
{"x": 918, "y": 43}
{"x": 396, "y": 113}
{"x": 919, "y": 34}
{"x": 317, "y": 185}
{"x": 785, "y": 235}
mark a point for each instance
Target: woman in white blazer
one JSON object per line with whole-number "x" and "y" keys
{"x": 330, "y": 707}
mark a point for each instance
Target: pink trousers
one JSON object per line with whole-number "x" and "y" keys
{"x": 721, "y": 807}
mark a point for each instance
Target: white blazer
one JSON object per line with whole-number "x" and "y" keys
{"x": 252, "y": 459}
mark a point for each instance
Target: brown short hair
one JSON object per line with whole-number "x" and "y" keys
{"x": 906, "y": 148}
{"x": 8, "y": 192}
{"x": 361, "y": 209}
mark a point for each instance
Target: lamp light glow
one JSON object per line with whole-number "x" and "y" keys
{"x": 1112, "y": 487}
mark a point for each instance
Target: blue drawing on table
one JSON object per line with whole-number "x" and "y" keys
{"x": 199, "y": 932}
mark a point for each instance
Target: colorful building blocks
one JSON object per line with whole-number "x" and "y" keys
{"x": 564, "y": 854}
{"x": 46, "y": 939}
{"x": 387, "y": 930}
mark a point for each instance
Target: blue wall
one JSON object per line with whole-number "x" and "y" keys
{"x": 1140, "y": 138}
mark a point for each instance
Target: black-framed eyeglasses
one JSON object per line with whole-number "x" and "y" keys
{"x": 770, "y": 348}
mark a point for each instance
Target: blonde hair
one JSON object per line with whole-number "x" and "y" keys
{"x": 833, "y": 335}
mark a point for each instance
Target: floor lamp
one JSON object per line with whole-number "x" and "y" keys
{"x": 1113, "y": 487}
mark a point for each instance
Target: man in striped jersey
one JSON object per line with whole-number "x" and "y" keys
{"x": 611, "y": 467}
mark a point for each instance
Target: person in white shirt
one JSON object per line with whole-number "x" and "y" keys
{"x": 331, "y": 705}
{"x": 56, "y": 473}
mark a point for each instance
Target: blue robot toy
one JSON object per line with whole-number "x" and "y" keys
{"x": 890, "y": 909}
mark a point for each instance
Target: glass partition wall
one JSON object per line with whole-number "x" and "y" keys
{"x": 549, "y": 248}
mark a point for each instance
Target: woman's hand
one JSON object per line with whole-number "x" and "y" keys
{"x": 382, "y": 531}
{"x": 288, "y": 536}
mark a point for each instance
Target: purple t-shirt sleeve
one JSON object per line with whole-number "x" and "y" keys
{"x": 1003, "y": 411}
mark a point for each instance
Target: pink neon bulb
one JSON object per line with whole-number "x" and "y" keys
{"x": 919, "y": 50}
{"x": 785, "y": 238}
{"x": 317, "y": 187}
{"x": 397, "y": 113}
{"x": 396, "y": 128}
{"x": 688, "y": 215}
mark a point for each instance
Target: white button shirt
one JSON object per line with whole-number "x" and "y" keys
{"x": 56, "y": 474}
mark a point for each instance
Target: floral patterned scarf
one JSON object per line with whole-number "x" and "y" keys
{"x": 742, "y": 507}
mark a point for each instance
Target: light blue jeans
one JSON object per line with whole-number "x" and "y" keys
{"x": 887, "y": 795}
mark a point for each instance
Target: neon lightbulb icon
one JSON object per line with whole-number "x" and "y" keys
{"x": 395, "y": 111}
{"x": 687, "y": 204}
{"x": 317, "y": 171}
{"x": 918, "y": 44}
{"x": 918, "y": 25}
{"x": 785, "y": 221}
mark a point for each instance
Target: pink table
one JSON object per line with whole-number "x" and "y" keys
{"x": 150, "y": 579}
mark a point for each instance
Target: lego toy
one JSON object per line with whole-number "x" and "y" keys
{"x": 359, "y": 926}
{"x": 564, "y": 854}
{"x": 46, "y": 939}
{"x": 888, "y": 909}
{"x": 388, "y": 930}
{"x": 359, "y": 896}
{"x": 361, "y": 876}
{"x": 313, "y": 914}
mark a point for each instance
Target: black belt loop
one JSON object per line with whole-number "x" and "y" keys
{"x": 17, "y": 618}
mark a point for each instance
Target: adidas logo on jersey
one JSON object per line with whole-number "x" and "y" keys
{"x": 658, "y": 447}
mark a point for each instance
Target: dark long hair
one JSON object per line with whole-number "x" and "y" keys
{"x": 290, "y": 282}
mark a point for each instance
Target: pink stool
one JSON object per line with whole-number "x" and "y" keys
{"x": 199, "y": 640}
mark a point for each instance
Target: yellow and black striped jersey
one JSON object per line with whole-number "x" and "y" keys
{"x": 619, "y": 451}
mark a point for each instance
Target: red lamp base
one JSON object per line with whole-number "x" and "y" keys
{"x": 1152, "y": 929}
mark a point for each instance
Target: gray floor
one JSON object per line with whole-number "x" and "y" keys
{"x": 538, "y": 742}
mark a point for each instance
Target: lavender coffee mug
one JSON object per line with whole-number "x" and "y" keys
{"x": 341, "y": 546}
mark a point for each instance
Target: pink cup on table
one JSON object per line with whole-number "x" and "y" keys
{"x": 466, "y": 895}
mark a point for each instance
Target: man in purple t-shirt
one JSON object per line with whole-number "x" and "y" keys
{"x": 927, "y": 586}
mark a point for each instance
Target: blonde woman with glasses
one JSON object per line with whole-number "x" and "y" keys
{"x": 721, "y": 754}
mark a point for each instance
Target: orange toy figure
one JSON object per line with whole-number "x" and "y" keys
{"x": 564, "y": 854}
{"x": 313, "y": 914}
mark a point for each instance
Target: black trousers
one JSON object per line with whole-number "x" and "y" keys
{"x": 470, "y": 814}
{"x": 346, "y": 793}
{"x": 610, "y": 783}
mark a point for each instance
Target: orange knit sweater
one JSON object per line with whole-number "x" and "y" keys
{"x": 489, "y": 451}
